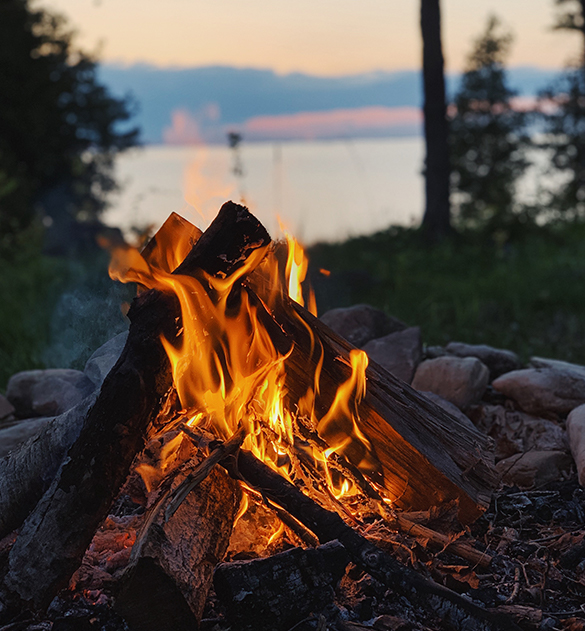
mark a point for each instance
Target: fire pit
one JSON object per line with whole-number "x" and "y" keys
{"x": 224, "y": 366}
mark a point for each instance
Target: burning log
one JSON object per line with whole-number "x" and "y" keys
{"x": 54, "y": 537}
{"x": 171, "y": 567}
{"x": 452, "y": 608}
{"x": 427, "y": 456}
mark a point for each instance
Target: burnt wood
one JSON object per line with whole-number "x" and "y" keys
{"x": 165, "y": 585}
{"x": 54, "y": 537}
{"x": 276, "y": 593}
{"x": 455, "y": 611}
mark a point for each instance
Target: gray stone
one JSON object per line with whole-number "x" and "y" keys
{"x": 14, "y": 435}
{"x": 103, "y": 360}
{"x": 47, "y": 392}
{"x": 449, "y": 407}
{"x": 361, "y": 323}
{"x": 534, "y": 468}
{"x": 6, "y": 408}
{"x": 557, "y": 364}
{"x": 549, "y": 390}
{"x": 576, "y": 435}
{"x": 460, "y": 380}
{"x": 498, "y": 361}
{"x": 399, "y": 353}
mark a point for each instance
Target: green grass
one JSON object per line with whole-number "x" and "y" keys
{"x": 527, "y": 295}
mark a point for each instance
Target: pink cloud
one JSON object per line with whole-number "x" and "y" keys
{"x": 367, "y": 121}
{"x": 184, "y": 129}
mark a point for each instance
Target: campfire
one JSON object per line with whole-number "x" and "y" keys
{"x": 239, "y": 421}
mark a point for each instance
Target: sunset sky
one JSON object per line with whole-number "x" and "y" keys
{"x": 322, "y": 37}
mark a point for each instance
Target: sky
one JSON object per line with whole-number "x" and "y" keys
{"x": 320, "y": 37}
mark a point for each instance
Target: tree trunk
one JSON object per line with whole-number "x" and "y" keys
{"x": 436, "y": 220}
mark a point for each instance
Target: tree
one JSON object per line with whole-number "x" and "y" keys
{"x": 572, "y": 18}
{"x": 436, "y": 219}
{"x": 59, "y": 128}
{"x": 563, "y": 107}
{"x": 488, "y": 142}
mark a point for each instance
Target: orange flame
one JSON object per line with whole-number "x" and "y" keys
{"x": 227, "y": 370}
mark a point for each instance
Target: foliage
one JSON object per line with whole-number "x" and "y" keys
{"x": 488, "y": 140}
{"x": 525, "y": 295}
{"x": 564, "y": 119}
{"x": 59, "y": 128}
{"x": 563, "y": 111}
{"x": 571, "y": 18}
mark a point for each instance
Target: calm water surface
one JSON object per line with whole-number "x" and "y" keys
{"x": 320, "y": 190}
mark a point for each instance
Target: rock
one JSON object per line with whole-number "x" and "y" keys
{"x": 576, "y": 435}
{"x": 432, "y": 352}
{"x": 515, "y": 432}
{"x": 361, "y": 323}
{"x": 534, "y": 468}
{"x": 448, "y": 407}
{"x": 548, "y": 390}
{"x": 13, "y": 436}
{"x": 460, "y": 380}
{"x": 6, "y": 408}
{"x": 47, "y": 392}
{"x": 103, "y": 360}
{"x": 498, "y": 361}
{"x": 543, "y": 362}
{"x": 399, "y": 353}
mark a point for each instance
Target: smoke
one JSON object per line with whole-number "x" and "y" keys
{"x": 85, "y": 317}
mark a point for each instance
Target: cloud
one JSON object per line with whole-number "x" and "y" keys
{"x": 192, "y": 129}
{"x": 342, "y": 123}
{"x": 184, "y": 129}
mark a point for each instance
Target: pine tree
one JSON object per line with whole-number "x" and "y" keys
{"x": 59, "y": 128}
{"x": 488, "y": 138}
{"x": 563, "y": 107}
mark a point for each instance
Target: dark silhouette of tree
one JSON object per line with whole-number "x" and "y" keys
{"x": 59, "y": 128}
{"x": 488, "y": 140}
{"x": 436, "y": 219}
{"x": 571, "y": 17}
{"x": 563, "y": 107}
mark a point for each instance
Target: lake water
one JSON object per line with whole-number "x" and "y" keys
{"x": 320, "y": 190}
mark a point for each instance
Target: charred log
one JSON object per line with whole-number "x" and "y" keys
{"x": 275, "y": 593}
{"x": 453, "y": 609}
{"x": 55, "y": 536}
{"x": 171, "y": 568}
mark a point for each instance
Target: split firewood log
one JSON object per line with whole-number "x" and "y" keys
{"x": 165, "y": 585}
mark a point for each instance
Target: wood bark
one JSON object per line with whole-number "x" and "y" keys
{"x": 276, "y": 593}
{"x": 426, "y": 456}
{"x": 453, "y": 610}
{"x": 27, "y": 472}
{"x": 171, "y": 568}
{"x": 436, "y": 219}
{"x": 54, "y": 537}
